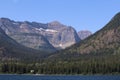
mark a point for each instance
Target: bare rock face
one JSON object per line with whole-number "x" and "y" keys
{"x": 84, "y": 34}
{"x": 64, "y": 36}
{"x": 50, "y": 36}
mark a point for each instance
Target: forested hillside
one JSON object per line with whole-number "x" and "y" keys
{"x": 104, "y": 42}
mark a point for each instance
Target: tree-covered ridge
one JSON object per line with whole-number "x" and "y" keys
{"x": 105, "y": 41}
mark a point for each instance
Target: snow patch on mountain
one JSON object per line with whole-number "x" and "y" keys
{"x": 47, "y": 30}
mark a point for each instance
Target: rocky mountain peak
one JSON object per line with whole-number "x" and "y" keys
{"x": 55, "y": 23}
{"x": 84, "y": 34}
{"x": 5, "y": 19}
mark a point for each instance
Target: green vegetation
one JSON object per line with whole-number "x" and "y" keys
{"x": 82, "y": 65}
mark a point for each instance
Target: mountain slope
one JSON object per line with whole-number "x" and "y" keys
{"x": 10, "y": 49}
{"x": 105, "y": 41}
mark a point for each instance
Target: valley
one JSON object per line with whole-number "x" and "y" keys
{"x": 54, "y": 48}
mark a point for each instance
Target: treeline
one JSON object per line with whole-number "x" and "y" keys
{"x": 92, "y": 65}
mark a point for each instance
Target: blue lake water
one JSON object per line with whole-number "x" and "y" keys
{"x": 38, "y": 77}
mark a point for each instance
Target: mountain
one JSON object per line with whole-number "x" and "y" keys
{"x": 84, "y": 34}
{"x": 104, "y": 42}
{"x": 97, "y": 54}
{"x": 10, "y": 49}
{"x": 50, "y": 36}
{"x": 65, "y": 35}
{"x": 25, "y": 34}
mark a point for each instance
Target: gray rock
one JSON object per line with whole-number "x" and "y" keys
{"x": 84, "y": 34}
{"x": 40, "y": 36}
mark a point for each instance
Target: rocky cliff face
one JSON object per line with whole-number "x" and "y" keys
{"x": 40, "y": 36}
{"x": 63, "y": 36}
{"x": 84, "y": 34}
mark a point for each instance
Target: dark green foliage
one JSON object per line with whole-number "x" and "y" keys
{"x": 84, "y": 65}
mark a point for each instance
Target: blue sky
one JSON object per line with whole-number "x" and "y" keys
{"x": 81, "y": 14}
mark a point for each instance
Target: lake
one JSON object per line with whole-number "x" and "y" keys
{"x": 39, "y": 77}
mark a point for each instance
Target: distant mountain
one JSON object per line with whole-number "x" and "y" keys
{"x": 50, "y": 36}
{"x": 11, "y": 50}
{"x": 84, "y": 34}
{"x": 65, "y": 36}
{"x": 105, "y": 41}
{"x": 25, "y": 34}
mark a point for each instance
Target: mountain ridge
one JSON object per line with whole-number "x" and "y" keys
{"x": 10, "y": 49}
{"x": 49, "y": 35}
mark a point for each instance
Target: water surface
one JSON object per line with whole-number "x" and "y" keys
{"x": 39, "y": 77}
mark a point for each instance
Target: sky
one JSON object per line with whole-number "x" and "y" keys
{"x": 89, "y": 15}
